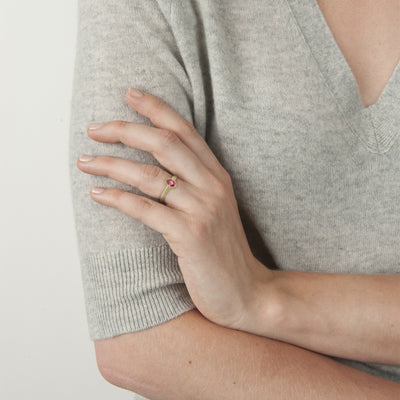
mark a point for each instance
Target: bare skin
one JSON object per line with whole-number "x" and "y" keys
{"x": 368, "y": 34}
{"x": 191, "y": 358}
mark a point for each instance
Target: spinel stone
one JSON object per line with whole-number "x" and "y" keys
{"x": 171, "y": 182}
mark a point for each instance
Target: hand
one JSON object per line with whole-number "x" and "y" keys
{"x": 200, "y": 218}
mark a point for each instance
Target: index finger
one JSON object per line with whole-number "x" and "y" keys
{"x": 163, "y": 116}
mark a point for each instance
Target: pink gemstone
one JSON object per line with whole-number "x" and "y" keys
{"x": 171, "y": 182}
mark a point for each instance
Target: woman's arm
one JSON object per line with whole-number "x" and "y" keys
{"x": 344, "y": 315}
{"x": 350, "y": 316}
{"x": 190, "y": 358}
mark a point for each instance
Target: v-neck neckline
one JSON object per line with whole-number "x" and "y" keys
{"x": 377, "y": 125}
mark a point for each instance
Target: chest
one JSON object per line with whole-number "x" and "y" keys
{"x": 316, "y": 184}
{"x": 368, "y": 35}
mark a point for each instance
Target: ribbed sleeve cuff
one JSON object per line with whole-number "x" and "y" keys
{"x": 133, "y": 289}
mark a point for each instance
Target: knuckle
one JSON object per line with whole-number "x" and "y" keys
{"x": 220, "y": 189}
{"x": 190, "y": 127}
{"x": 107, "y": 166}
{"x": 226, "y": 177}
{"x": 198, "y": 227}
{"x": 218, "y": 200}
{"x": 116, "y": 195}
{"x": 120, "y": 129}
{"x": 215, "y": 208}
{"x": 106, "y": 161}
{"x": 119, "y": 124}
{"x": 145, "y": 204}
{"x": 168, "y": 138}
{"x": 150, "y": 171}
{"x": 158, "y": 105}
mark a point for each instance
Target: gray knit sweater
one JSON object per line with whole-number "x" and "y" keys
{"x": 316, "y": 173}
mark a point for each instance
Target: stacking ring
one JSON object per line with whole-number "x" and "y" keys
{"x": 171, "y": 184}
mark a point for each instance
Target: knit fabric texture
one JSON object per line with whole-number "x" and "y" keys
{"x": 316, "y": 174}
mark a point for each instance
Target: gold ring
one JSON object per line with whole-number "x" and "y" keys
{"x": 171, "y": 183}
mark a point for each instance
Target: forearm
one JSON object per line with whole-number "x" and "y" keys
{"x": 190, "y": 358}
{"x": 345, "y": 315}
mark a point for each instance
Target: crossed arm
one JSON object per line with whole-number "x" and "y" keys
{"x": 321, "y": 312}
{"x": 191, "y": 358}
{"x": 344, "y": 315}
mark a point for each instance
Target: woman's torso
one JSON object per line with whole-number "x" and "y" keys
{"x": 316, "y": 172}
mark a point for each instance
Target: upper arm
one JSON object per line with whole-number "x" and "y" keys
{"x": 131, "y": 278}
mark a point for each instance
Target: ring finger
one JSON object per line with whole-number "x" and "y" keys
{"x": 163, "y": 144}
{"x": 148, "y": 178}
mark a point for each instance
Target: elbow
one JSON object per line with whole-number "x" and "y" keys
{"x": 116, "y": 378}
{"x": 111, "y": 361}
{"x": 109, "y": 375}
{"x": 125, "y": 362}
{"x": 105, "y": 359}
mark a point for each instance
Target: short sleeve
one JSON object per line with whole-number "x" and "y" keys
{"x": 131, "y": 278}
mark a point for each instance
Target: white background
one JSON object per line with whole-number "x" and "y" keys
{"x": 45, "y": 350}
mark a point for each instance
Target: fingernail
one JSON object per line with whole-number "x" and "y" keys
{"x": 86, "y": 157}
{"x": 135, "y": 92}
{"x": 94, "y": 125}
{"x": 97, "y": 190}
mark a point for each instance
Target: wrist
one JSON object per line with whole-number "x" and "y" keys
{"x": 264, "y": 308}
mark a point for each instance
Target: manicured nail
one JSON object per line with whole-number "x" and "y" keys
{"x": 94, "y": 125}
{"x": 97, "y": 190}
{"x": 135, "y": 92}
{"x": 86, "y": 157}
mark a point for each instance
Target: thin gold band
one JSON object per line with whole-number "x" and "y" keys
{"x": 170, "y": 185}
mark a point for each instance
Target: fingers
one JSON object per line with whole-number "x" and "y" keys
{"x": 163, "y": 144}
{"x": 178, "y": 147}
{"x": 149, "y": 179}
{"x": 163, "y": 219}
{"x": 164, "y": 117}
